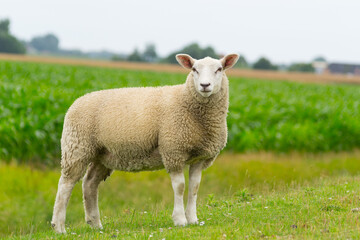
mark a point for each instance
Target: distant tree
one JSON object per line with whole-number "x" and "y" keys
{"x": 5, "y": 25}
{"x": 301, "y": 67}
{"x": 135, "y": 56}
{"x": 9, "y": 43}
{"x": 193, "y": 50}
{"x": 208, "y": 52}
{"x": 149, "y": 54}
{"x": 319, "y": 59}
{"x": 46, "y": 43}
{"x": 242, "y": 63}
{"x": 264, "y": 64}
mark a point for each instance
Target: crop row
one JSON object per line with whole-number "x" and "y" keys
{"x": 264, "y": 115}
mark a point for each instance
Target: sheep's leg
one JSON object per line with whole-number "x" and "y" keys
{"x": 65, "y": 187}
{"x": 94, "y": 175}
{"x": 194, "y": 183}
{"x": 178, "y": 184}
{"x": 75, "y": 159}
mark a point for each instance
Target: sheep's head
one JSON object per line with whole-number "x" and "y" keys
{"x": 207, "y": 72}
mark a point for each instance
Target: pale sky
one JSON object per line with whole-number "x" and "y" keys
{"x": 283, "y": 30}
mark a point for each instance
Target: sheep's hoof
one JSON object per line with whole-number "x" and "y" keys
{"x": 58, "y": 228}
{"x": 193, "y": 221}
{"x": 191, "y": 218}
{"x": 180, "y": 221}
{"x": 94, "y": 225}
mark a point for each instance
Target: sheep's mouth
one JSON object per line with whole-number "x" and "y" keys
{"x": 205, "y": 90}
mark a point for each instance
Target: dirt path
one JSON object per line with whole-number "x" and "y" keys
{"x": 270, "y": 75}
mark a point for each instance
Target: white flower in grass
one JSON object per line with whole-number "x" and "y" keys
{"x": 150, "y": 236}
{"x": 73, "y": 233}
{"x": 161, "y": 230}
{"x": 101, "y": 232}
{"x": 266, "y": 207}
{"x": 201, "y": 223}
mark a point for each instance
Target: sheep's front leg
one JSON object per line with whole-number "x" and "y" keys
{"x": 194, "y": 183}
{"x": 178, "y": 184}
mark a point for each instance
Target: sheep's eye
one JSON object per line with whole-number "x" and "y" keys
{"x": 219, "y": 70}
{"x": 194, "y": 69}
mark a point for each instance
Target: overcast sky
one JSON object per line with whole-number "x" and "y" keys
{"x": 282, "y": 30}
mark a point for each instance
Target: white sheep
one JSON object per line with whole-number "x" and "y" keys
{"x": 139, "y": 129}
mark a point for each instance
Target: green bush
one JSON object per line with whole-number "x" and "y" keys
{"x": 301, "y": 67}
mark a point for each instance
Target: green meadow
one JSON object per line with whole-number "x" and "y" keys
{"x": 301, "y": 197}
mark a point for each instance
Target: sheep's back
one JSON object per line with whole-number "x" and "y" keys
{"x": 128, "y": 118}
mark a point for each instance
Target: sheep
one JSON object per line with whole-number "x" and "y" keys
{"x": 140, "y": 129}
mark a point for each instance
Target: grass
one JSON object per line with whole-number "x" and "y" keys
{"x": 242, "y": 196}
{"x": 264, "y": 115}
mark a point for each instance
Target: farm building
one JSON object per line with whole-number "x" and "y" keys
{"x": 341, "y": 68}
{"x": 320, "y": 65}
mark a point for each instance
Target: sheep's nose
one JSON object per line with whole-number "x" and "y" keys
{"x": 204, "y": 85}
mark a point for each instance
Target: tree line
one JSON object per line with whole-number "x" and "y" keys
{"x": 49, "y": 44}
{"x": 195, "y": 50}
{"x": 8, "y": 42}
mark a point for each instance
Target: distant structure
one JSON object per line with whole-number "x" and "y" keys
{"x": 320, "y": 65}
{"x": 341, "y": 68}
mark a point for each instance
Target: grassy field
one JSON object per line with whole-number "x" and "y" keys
{"x": 292, "y": 180}
{"x": 275, "y": 116}
{"x": 242, "y": 196}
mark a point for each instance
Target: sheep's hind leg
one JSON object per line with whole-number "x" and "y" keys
{"x": 94, "y": 175}
{"x": 69, "y": 177}
{"x": 178, "y": 184}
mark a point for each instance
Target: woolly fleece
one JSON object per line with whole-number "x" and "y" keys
{"x": 137, "y": 129}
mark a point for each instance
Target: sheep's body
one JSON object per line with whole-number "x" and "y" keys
{"x": 138, "y": 129}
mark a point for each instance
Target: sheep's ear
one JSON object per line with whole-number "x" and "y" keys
{"x": 185, "y": 60}
{"x": 229, "y": 60}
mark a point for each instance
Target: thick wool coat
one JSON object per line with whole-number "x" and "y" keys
{"x": 138, "y": 129}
